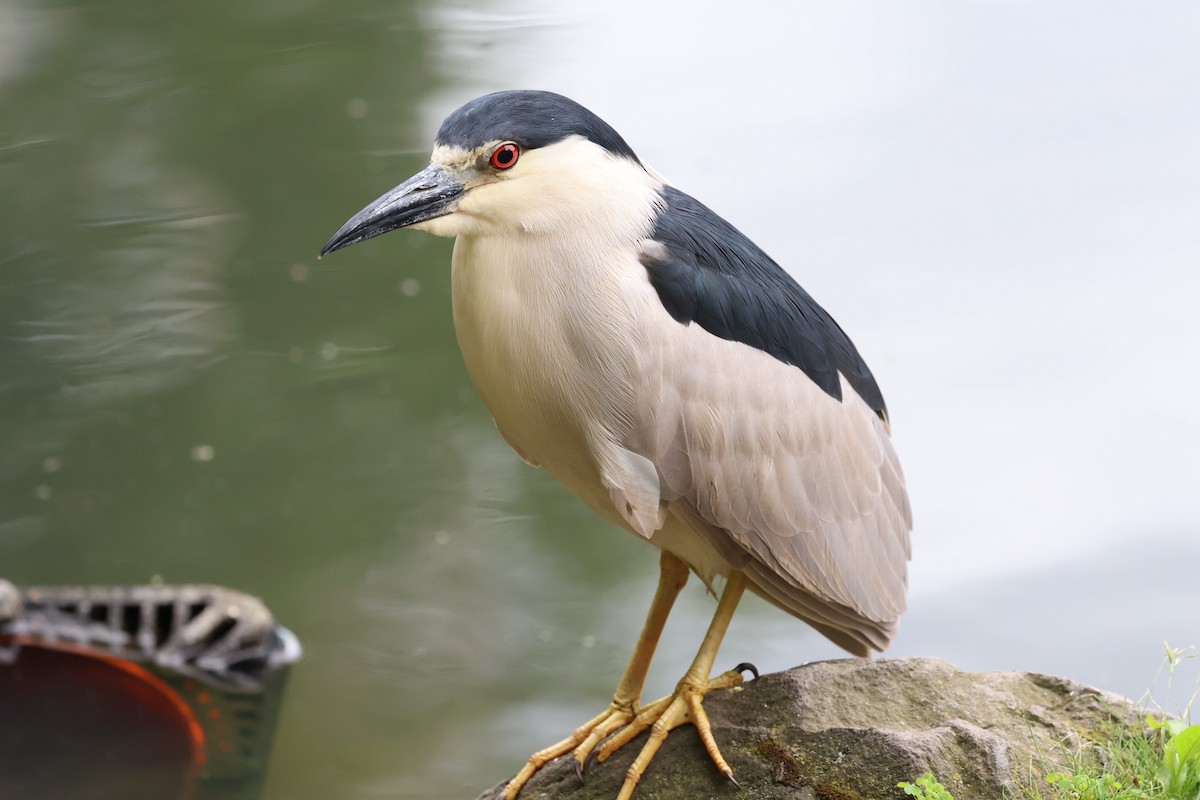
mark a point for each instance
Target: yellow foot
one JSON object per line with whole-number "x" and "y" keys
{"x": 663, "y": 716}
{"x": 582, "y": 741}
{"x": 624, "y": 720}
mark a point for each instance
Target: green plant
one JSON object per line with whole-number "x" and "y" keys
{"x": 1162, "y": 763}
{"x": 1179, "y": 772}
{"x": 1079, "y": 786}
{"x": 926, "y": 788}
{"x": 1165, "y": 766}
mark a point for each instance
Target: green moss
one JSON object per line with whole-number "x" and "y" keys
{"x": 787, "y": 771}
{"x": 790, "y": 772}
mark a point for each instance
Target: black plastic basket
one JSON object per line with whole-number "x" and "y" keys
{"x": 143, "y": 692}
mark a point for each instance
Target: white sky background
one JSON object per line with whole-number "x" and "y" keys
{"x": 1000, "y": 202}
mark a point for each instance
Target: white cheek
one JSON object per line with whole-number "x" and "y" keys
{"x": 571, "y": 186}
{"x": 449, "y": 225}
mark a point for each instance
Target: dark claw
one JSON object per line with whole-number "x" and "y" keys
{"x": 732, "y": 779}
{"x": 578, "y": 770}
{"x": 746, "y": 666}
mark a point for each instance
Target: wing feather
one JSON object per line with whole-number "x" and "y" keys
{"x": 817, "y": 509}
{"x": 788, "y": 473}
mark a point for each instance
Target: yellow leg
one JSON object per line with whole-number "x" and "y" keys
{"x": 673, "y": 574}
{"x": 684, "y": 705}
{"x": 624, "y": 707}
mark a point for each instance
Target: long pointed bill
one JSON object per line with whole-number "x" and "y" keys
{"x": 430, "y": 193}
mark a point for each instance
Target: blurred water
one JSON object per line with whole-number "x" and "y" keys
{"x": 997, "y": 201}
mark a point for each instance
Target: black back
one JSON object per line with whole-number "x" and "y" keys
{"x": 716, "y": 277}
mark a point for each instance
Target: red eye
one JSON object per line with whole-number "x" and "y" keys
{"x": 505, "y": 156}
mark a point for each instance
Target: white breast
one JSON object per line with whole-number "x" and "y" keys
{"x": 557, "y": 346}
{"x": 547, "y": 347}
{"x": 556, "y": 318}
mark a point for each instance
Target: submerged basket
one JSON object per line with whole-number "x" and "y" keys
{"x": 155, "y": 692}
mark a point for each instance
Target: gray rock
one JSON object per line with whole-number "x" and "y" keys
{"x": 850, "y": 730}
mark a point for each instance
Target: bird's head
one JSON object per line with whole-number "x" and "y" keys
{"x": 525, "y": 162}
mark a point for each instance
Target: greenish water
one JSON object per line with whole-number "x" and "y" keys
{"x": 187, "y": 394}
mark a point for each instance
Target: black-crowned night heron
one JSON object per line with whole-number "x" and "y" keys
{"x": 672, "y": 376}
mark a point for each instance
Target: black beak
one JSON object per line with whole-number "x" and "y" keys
{"x": 430, "y": 193}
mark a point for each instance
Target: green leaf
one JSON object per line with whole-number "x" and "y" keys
{"x": 1176, "y": 727}
{"x": 1186, "y": 742}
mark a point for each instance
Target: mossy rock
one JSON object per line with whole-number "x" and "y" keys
{"x": 851, "y": 729}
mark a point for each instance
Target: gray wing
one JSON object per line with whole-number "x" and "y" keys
{"x": 767, "y": 430}
{"x": 802, "y": 492}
